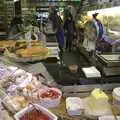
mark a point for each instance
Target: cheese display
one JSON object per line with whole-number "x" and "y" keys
{"x": 91, "y": 72}
{"x": 8, "y": 44}
{"x": 20, "y": 89}
{"x": 24, "y": 88}
{"x": 19, "y": 84}
{"x": 19, "y": 51}
{"x": 22, "y": 43}
{"x": 74, "y": 106}
{"x": 17, "y": 43}
{"x": 33, "y": 52}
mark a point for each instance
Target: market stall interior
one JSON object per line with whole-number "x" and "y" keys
{"x": 59, "y": 59}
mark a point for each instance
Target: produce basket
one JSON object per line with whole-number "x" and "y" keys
{"x": 28, "y": 109}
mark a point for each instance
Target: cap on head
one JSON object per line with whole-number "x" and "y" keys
{"x": 95, "y": 15}
{"x": 53, "y": 9}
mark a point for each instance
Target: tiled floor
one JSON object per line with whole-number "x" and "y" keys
{"x": 74, "y": 58}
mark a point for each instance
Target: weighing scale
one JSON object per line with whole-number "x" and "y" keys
{"x": 109, "y": 63}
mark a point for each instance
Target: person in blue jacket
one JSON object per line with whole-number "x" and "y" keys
{"x": 57, "y": 27}
{"x": 101, "y": 45}
{"x": 100, "y": 26}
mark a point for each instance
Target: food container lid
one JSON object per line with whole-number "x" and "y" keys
{"x": 116, "y": 91}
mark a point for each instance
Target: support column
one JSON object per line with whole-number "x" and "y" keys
{"x": 17, "y": 5}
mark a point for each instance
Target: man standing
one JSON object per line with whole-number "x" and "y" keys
{"x": 69, "y": 27}
{"x": 57, "y": 27}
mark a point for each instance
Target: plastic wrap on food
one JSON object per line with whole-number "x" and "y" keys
{"x": 5, "y": 116}
{"x": 50, "y": 97}
{"x": 109, "y": 117}
{"x": 36, "y": 82}
{"x": 32, "y": 92}
{"x": 24, "y": 80}
{"x": 39, "y": 111}
{"x": 12, "y": 88}
{"x": 19, "y": 72}
{"x": 74, "y": 106}
{"x": 7, "y": 102}
{"x": 2, "y": 94}
{"x": 4, "y": 72}
{"x": 12, "y": 68}
{"x": 15, "y": 103}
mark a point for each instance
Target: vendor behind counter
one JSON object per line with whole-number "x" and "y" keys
{"x": 16, "y": 26}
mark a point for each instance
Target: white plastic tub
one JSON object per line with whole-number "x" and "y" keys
{"x": 74, "y": 106}
{"x": 108, "y": 118}
{"x": 116, "y": 97}
{"x": 48, "y": 102}
{"x": 31, "y": 107}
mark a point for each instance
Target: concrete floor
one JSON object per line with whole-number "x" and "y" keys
{"x": 74, "y": 58}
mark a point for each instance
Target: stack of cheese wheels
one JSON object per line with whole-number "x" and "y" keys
{"x": 116, "y": 97}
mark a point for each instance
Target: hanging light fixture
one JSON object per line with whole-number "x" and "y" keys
{"x": 16, "y": 0}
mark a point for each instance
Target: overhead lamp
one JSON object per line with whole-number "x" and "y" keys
{"x": 16, "y": 0}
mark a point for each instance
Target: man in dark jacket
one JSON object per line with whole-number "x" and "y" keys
{"x": 17, "y": 22}
{"x": 69, "y": 27}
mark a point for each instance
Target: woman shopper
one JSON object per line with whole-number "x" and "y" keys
{"x": 69, "y": 27}
{"x": 57, "y": 27}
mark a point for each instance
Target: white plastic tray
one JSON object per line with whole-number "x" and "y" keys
{"x": 31, "y": 107}
{"x": 109, "y": 118}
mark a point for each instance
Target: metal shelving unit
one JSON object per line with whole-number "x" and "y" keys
{"x": 6, "y": 14}
{"x": 9, "y": 7}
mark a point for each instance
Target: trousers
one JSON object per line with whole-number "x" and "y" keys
{"x": 69, "y": 41}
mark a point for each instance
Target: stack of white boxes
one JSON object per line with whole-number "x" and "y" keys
{"x": 91, "y": 72}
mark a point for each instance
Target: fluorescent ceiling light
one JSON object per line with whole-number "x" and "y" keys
{"x": 16, "y": 0}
